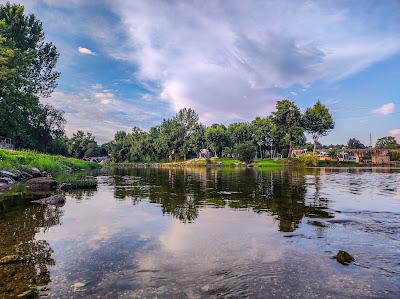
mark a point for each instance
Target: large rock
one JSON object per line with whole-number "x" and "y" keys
{"x": 51, "y": 200}
{"x": 41, "y": 183}
{"x": 344, "y": 257}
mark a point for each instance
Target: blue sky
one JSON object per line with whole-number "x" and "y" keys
{"x": 133, "y": 63}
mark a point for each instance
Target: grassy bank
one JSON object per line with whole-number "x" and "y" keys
{"x": 226, "y": 162}
{"x": 18, "y": 160}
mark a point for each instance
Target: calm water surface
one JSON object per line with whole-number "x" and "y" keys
{"x": 209, "y": 233}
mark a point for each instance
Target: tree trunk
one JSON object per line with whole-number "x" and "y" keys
{"x": 290, "y": 150}
{"x": 315, "y": 137}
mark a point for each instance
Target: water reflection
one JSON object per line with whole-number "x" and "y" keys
{"x": 182, "y": 192}
{"x": 18, "y": 228}
{"x": 194, "y": 233}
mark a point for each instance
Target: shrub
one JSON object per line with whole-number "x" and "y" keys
{"x": 309, "y": 159}
{"x": 245, "y": 152}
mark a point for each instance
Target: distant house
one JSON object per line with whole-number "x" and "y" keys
{"x": 104, "y": 159}
{"x": 298, "y": 152}
{"x": 205, "y": 153}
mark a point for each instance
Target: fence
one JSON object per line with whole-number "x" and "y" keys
{"x": 6, "y": 143}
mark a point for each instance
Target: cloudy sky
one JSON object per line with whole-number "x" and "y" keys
{"x": 133, "y": 63}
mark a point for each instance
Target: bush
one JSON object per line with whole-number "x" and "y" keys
{"x": 245, "y": 152}
{"x": 309, "y": 159}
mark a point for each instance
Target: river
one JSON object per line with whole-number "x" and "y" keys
{"x": 209, "y": 233}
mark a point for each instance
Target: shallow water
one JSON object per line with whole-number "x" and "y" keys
{"x": 209, "y": 233}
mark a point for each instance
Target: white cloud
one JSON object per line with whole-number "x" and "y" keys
{"x": 209, "y": 55}
{"x": 100, "y": 111}
{"x": 86, "y": 51}
{"x": 395, "y": 133}
{"x": 385, "y": 109}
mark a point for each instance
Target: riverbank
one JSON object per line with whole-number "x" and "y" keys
{"x": 21, "y": 166}
{"x": 211, "y": 162}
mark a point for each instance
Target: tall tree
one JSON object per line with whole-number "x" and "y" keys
{"x": 386, "y": 142}
{"x": 217, "y": 138}
{"x": 355, "y": 143}
{"x": 287, "y": 121}
{"x": 27, "y": 72}
{"x": 318, "y": 121}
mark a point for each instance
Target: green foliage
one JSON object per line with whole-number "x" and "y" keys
{"x": 394, "y": 156}
{"x": 80, "y": 183}
{"x": 317, "y": 121}
{"x": 387, "y": 142}
{"x": 355, "y": 143}
{"x": 82, "y": 144}
{"x": 287, "y": 127}
{"x": 15, "y": 160}
{"x": 217, "y": 138}
{"x": 308, "y": 159}
{"x": 27, "y": 72}
{"x": 245, "y": 152}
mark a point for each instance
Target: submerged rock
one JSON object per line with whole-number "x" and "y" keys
{"x": 78, "y": 286}
{"x": 41, "y": 183}
{"x": 344, "y": 257}
{"x": 51, "y": 200}
{"x": 317, "y": 223}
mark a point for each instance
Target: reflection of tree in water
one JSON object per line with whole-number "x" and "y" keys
{"x": 82, "y": 194}
{"x": 18, "y": 227}
{"x": 181, "y": 192}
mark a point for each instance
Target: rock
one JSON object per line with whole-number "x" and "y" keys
{"x": 41, "y": 183}
{"x": 10, "y": 259}
{"x": 35, "y": 172}
{"x": 7, "y": 180}
{"x": 4, "y": 187}
{"x": 65, "y": 186}
{"x": 344, "y": 257}
{"x": 78, "y": 285}
{"x": 51, "y": 200}
{"x": 317, "y": 223}
{"x": 9, "y": 174}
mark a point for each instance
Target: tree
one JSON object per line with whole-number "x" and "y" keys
{"x": 386, "y": 142}
{"x": 287, "y": 121}
{"x": 245, "y": 152}
{"x": 27, "y": 72}
{"x": 261, "y": 129}
{"x": 239, "y": 133}
{"x": 355, "y": 143}
{"x": 82, "y": 143}
{"x": 217, "y": 138}
{"x": 318, "y": 121}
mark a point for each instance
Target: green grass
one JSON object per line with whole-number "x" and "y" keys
{"x": 270, "y": 163}
{"x": 81, "y": 183}
{"x": 18, "y": 160}
{"x": 228, "y": 162}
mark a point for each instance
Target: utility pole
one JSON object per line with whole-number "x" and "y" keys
{"x": 370, "y": 140}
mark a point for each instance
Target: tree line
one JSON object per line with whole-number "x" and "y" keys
{"x": 184, "y": 136}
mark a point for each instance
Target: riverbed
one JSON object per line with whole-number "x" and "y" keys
{"x": 208, "y": 233}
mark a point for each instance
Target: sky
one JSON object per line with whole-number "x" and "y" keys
{"x": 134, "y": 63}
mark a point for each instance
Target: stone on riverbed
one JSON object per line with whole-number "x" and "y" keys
{"x": 41, "y": 183}
{"x": 344, "y": 257}
{"x": 7, "y": 180}
{"x": 51, "y": 200}
{"x": 65, "y": 186}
